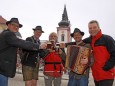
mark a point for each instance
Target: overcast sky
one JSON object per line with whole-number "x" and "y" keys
{"x": 48, "y": 13}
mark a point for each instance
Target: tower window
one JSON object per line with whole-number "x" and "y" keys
{"x": 62, "y": 37}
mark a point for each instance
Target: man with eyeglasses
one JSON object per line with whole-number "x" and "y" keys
{"x": 8, "y": 50}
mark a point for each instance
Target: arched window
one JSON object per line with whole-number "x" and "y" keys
{"x": 62, "y": 37}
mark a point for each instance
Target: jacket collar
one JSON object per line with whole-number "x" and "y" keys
{"x": 77, "y": 43}
{"x": 97, "y": 36}
{"x": 37, "y": 39}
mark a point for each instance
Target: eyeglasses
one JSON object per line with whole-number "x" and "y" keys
{"x": 15, "y": 25}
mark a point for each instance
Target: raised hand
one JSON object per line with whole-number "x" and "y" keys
{"x": 43, "y": 46}
{"x": 62, "y": 45}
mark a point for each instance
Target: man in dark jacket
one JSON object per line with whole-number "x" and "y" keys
{"x": 8, "y": 50}
{"x": 104, "y": 55}
{"x": 30, "y": 61}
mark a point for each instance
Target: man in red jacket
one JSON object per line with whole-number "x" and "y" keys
{"x": 54, "y": 59}
{"x": 104, "y": 55}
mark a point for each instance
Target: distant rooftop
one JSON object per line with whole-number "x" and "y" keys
{"x": 2, "y": 20}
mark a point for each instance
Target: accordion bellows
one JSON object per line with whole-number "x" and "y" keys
{"x": 73, "y": 58}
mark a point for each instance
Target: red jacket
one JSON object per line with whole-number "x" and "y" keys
{"x": 101, "y": 56}
{"x": 53, "y": 65}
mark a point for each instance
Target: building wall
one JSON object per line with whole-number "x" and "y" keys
{"x": 66, "y": 32}
{"x": 2, "y": 27}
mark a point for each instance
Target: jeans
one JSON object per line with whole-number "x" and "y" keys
{"x": 3, "y": 80}
{"x": 73, "y": 81}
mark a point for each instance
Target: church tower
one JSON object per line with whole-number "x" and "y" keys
{"x": 63, "y": 31}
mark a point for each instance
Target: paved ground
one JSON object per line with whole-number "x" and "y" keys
{"x": 18, "y": 80}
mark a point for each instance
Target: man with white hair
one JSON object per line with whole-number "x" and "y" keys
{"x": 54, "y": 60}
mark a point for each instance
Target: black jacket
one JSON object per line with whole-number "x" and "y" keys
{"x": 31, "y": 57}
{"x": 8, "y": 51}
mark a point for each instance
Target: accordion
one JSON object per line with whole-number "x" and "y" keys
{"x": 73, "y": 58}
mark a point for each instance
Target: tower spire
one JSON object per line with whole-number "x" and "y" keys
{"x": 64, "y": 21}
{"x": 64, "y": 15}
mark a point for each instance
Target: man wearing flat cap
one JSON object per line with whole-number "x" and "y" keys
{"x": 8, "y": 50}
{"x": 30, "y": 63}
{"x": 74, "y": 78}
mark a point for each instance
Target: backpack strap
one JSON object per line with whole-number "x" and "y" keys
{"x": 32, "y": 38}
